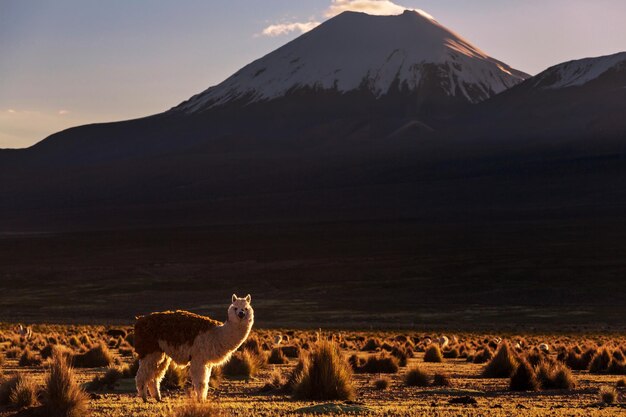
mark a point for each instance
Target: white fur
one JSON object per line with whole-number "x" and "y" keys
{"x": 210, "y": 348}
{"x": 25, "y": 332}
{"x": 443, "y": 341}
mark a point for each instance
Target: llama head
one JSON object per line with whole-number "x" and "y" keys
{"x": 240, "y": 309}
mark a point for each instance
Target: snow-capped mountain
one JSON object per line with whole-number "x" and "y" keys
{"x": 572, "y": 101}
{"x": 379, "y": 54}
{"x": 580, "y": 72}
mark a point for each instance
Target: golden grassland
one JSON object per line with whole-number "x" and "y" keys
{"x": 251, "y": 393}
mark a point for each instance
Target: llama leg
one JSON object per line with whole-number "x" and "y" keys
{"x": 160, "y": 373}
{"x": 200, "y": 378}
{"x": 146, "y": 373}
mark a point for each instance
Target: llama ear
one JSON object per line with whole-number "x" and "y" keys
{"x": 248, "y": 298}
{"x": 234, "y": 298}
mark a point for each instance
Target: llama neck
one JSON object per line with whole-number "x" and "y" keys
{"x": 234, "y": 334}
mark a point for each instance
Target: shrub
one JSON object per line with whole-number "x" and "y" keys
{"x": 442, "y": 380}
{"x": 555, "y": 376}
{"x": 381, "y": 384}
{"x": 18, "y": 390}
{"x": 402, "y": 354}
{"x": 108, "y": 380}
{"x": 451, "y": 353}
{"x": 415, "y": 377}
{"x": 616, "y": 367}
{"x": 175, "y": 377}
{"x": 371, "y": 345}
{"x": 242, "y": 364}
{"x": 433, "y": 354}
{"x": 277, "y": 357}
{"x": 96, "y": 357}
{"x": 380, "y": 364}
{"x": 579, "y": 361}
{"x": 296, "y": 375}
{"x": 502, "y": 365}
{"x": 63, "y": 397}
{"x": 24, "y": 393}
{"x": 327, "y": 376}
{"x": 608, "y": 395}
{"x": 28, "y": 358}
{"x": 291, "y": 351}
{"x": 600, "y": 361}
{"x": 484, "y": 356}
{"x": 524, "y": 378}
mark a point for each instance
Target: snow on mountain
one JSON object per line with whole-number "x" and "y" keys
{"x": 579, "y": 72}
{"x": 356, "y": 50}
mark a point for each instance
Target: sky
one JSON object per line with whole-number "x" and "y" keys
{"x": 65, "y": 63}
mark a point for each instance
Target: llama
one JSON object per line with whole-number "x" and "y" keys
{"x": 25, "y": 332}
{"x": 544, "y": 347}
{"x": 188, "y": 339}
{"x": 277, "y": 339}
{"x": 443, "y": 341}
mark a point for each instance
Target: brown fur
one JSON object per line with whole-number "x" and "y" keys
{"x": 174, "y": 327}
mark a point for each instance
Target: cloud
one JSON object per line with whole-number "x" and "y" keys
{"x": 63, "y": 112}
{"x": 285, "y": 28}
{"x": 376, "y": 7}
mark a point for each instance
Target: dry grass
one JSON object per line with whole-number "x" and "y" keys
{"x": 277, "y": 357}
{"x": 524, "y": 378}
{"x": 96, "y": 357}
{"x": 243, "y": 364}
{"x": 380, "y": 364}
{"x": 24, "y": 393}
{"x": 433, "y": 354}
{"x": 63, "y": 397}
{"x": 416, "y": 377}
{"x": 382, "y": 384}
{"x": 327, "y": 376}
{"x": 503, "y": 364}
{"x": 265, "y": 394}
{"x": 195, "y": 409}
{"x": 608, "y": 395}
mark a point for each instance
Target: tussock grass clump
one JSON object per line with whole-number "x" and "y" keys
{"x": 621, "y": 383}
{"x": 608, "y": 395}
{"x": 402, "y": 354}
{"x": 433, "y": 354}
{"x": 524, "y": 378}
{"x": 327, "y": 376}
{"x": 277, "y": 357}
{"x": 483, "y": 356}
{"x": 416, "y": 377}
{"x": 297, "y": 373}
{"x": 451, "y": 353}
{"x": 382, "y": 384}
{"x": 110, "y": 378}
{"x": 29, "y": 358}
{"x": 555, "y": 376}
{"x": 96, "y": 357}
{"x": 63, "y": 397}
{"x": 196, "y": 409}
{"x": 442, "y": 380}
{"x": 578, "y": 361}
{"x": 18, "y": 390}
{"x": 371, "y": 345}
{"x": 24, "y": 393}
{"x": 175, "y": 377}
{"x": 503, "y": 364}
{"x": 291, "y": 351}
{"x": 243, "y": 364}
{"x": 600, "y": 361}
{"x": 380, "y": 364}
